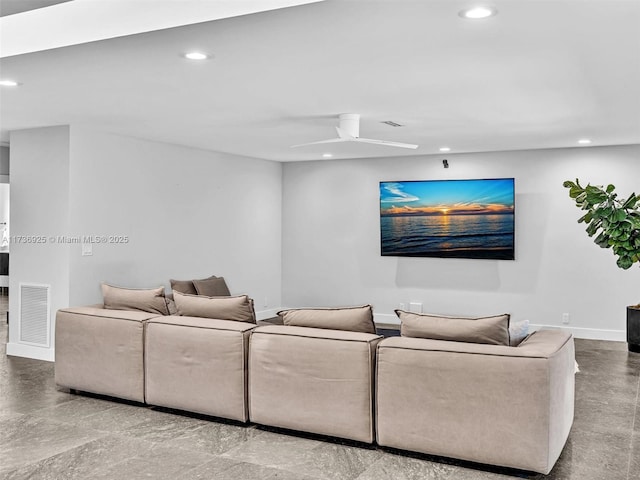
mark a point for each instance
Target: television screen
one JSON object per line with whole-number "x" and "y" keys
{"x": 448, "y": 218}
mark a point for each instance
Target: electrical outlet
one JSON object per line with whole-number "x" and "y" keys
{"x": 565, "y": 318}
{"x": 415, "y": 307}
{"x": 401, "y": 306}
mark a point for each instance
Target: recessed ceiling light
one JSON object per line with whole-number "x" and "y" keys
{"x": 8, "y": 83}
{"x": 584, "y": 141}
{"x": 327, "y": 155}
{"x": 445, "y": 149}
{"x": 196, "y": 56}
{"x": 479, "y": 12}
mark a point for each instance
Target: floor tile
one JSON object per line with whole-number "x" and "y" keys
{"x": 25, "y": 439}
{"x": 274, "y": 450}
{"x": 83, "y": 462}
{"x": 226, "y": 469}
{"x": 158, "y": 463}
{"x": 215, "y": 438}
{"x": 162, "y": 427}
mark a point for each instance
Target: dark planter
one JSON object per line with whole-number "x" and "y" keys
{"x": 633, "y": 329}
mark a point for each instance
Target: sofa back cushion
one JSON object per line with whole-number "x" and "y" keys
{"x": 212, "y": 287}
{"x": 238, "y": 308}
{"x": 353, "y": 319}
{"x": 150, "y": 300}
{"x": 183, "y": 286}
{"x": 490, "y": 330}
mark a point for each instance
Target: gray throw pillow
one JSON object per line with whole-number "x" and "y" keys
{"x": 238, "y": 308}
{"x": 183, "y": 286}
{"x": 353, "y": 319}
{"x": 212, "y": 287}
{"x": 490, "y": 330}
{"x": 146, "y": 300}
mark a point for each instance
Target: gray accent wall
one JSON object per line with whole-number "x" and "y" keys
{"x": 331, "y": 241}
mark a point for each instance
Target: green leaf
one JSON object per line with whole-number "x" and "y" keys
{"x": 625, "y": 262}
{"x": 630, "y": 202}
{"x": 586, "y": 218}
{"x": 610, "y": 188}
{"x": 602, "y": 240}
{"x": 575, "y": 191}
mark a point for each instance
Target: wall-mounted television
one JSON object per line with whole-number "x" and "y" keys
{"x": 448, "y": 218}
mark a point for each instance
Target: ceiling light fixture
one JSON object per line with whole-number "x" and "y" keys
{"x": 476, "y": 13}
{"x": 8, "y": 83}
{"x": 445, "y": 149}
{"x": 196, "y": 56}
{"x": 327, "y": 155}
{"x": 584, "y": 141}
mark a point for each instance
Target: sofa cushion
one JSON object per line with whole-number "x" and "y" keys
{"x": 354, "y": 319}
{"x": 150, "y": 300}
{"x": 238, "y": 308}
{"x": 212, "y": 287}
{"x": 490, "y": 330}
{"x": 183, "y": 286}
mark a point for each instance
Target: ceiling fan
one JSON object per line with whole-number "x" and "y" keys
{"x": 349, "y": 131}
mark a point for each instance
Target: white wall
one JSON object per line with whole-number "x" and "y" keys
{"x": 39, "y": 207}
{"x": 188, "y": 213}
{"x": 331, "y": 241}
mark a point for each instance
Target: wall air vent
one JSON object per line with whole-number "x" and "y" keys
{"x": 34, "y": 323}
{"x": 392, "y": 123}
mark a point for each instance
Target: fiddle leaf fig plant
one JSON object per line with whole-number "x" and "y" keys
{"x": 614, "y": 222}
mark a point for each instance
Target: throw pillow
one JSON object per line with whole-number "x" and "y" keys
{"x": 518, "y": 331}
{"x": 183, "y": 286}
{"x": 490, "y": 330}
{"x": 146, "y": 300}
{"x": 354, "y": 319}
{"x": 238, "y": 308}
{"x": 186, "y": 286}
{"x": 212, "y": 287}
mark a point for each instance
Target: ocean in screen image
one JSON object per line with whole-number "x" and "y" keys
{"x": 468, "y": 236}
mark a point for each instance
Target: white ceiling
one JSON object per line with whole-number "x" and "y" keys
{"x": 541, "y": 74}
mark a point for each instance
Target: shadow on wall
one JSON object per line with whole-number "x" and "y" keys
{"x": 520, "y": 275}
{"x": 448, "y": 274}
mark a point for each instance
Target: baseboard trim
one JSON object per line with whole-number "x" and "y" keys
{"x": 586, "y": 333}
{"x": 29, "y": 351}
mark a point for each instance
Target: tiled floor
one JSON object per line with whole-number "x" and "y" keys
{"x": 46, "y": 433}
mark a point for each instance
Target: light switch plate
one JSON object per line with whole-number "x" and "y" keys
{"x": 87, "y": 249}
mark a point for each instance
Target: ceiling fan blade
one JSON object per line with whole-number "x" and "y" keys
{"x": 331, "y": 140}
{"x": 384, "y": 142}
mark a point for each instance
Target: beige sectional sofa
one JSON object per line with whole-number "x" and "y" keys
{"x": 503, "y": 405}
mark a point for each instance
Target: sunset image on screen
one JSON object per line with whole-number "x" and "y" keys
{"x": 448, "y": 218}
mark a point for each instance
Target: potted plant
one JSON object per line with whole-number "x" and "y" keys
{"x": 616, "y": 225}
